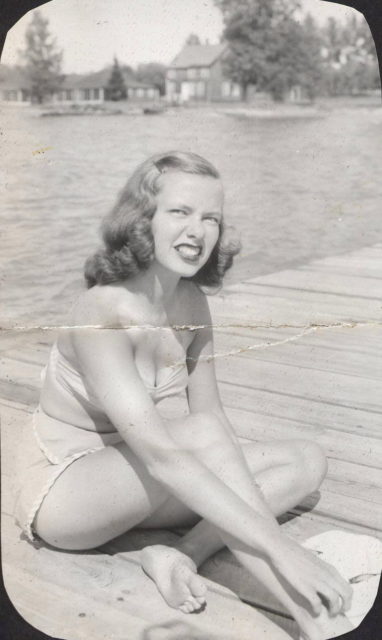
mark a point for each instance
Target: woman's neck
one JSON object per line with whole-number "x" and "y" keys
{"x": 157, "y": 285}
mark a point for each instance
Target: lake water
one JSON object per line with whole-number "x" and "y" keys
{"x": 297, "y": 189}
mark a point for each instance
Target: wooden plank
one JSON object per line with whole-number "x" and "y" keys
{"x": 315, "y": 385}
{"x": 305, "y": 413}
{"x": 349, "y": 285}
{"x": 114, "y": 593}
{"x": 6, "y": 403}
{"x": 352, "y": 447}
{"x": 358, "y": 489}
{"x": 364, "y": 339}
{"x": 19, "y": 394}
{"x": 271, "y": 303}
{"x": 243, "y": 309}
{"x": 367, "y": 271}
{"x": 33, "y": 354}
{"x": 53, "y": 610}
{"x": 12, "y": 338}
{"x": 22, "y": 373}
{"x": 304, "y": 525}
{"x": 343, "y": 508}
{"x": 353, "y": 473}
{"x": 302, "y": 352}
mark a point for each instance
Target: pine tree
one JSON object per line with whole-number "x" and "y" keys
{"x": 42, "y": 59}
{"x": 116, "y": 88}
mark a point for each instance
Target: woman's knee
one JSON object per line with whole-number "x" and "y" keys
{"x": 53, "y": 529}
{"x": 313, "y": 461}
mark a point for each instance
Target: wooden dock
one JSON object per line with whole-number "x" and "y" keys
{"x": 298, "y": 354}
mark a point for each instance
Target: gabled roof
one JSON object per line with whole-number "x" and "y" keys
{"x": 198, "y": 55}
{"x": 95, "y": 80}
{"x": 100, "y": 79}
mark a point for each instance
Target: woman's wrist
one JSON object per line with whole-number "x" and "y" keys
{"x": 274, "y": 544}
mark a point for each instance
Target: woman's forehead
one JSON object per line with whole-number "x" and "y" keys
{"x": 180, "y": 183}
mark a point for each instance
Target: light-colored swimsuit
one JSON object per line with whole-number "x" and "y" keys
{"x": 50, "y": 445}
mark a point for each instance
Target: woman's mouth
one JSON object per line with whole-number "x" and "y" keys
{"x": 190, "y": 252}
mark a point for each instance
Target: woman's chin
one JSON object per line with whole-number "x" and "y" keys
{"x": 183, "y": 268}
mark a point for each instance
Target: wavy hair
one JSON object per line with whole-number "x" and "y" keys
{"x": 126, "y": 230}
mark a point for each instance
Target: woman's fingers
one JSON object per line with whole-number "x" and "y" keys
{"x": 343, "y": 588}
{"x": 332, "y": 598}
{"x": 314, "y": 601}
{"x": 347, "y": 597}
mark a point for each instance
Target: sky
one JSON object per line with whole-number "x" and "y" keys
{"x": 91, "y": 32}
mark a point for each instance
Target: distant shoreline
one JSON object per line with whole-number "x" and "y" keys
{"x": 260, "y": 108}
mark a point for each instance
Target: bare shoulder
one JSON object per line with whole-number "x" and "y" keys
{"x": 101, "y": 306}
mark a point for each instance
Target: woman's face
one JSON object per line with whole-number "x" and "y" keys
{"x": 186, "y": 222}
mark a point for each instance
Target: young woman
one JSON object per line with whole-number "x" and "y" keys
{"x": 106, "y": 460}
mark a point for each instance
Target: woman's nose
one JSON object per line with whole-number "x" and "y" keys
{"x": 195, "y": 228}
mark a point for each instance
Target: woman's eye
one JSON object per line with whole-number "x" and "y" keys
{"x": 179, "y": 212}
{"x": 212, "y": 219}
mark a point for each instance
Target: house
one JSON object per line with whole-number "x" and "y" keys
{"x": 92, "y": 88}
{"x": 196, "y": 74}
{"x": 15, "y": 87}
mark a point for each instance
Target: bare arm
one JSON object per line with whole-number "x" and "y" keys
{"x": 106, "y": 357}
{"x": 203, "y": 396}
{"x": 309, "y": 575}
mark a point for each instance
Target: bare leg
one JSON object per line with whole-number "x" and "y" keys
{"x": 285, "y": 476}
{"x": 298, "y": 469}
{"x": 285, "y": 473}
{"x": 122, "y": 495}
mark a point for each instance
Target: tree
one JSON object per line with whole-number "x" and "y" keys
{"x": 372, "y": 11}
{"x": 116, "y": 88}
{"x": 42, "y": 58}
{"x": 350, "y": 58}
{"x": 11, "y": 12}
{"x": 296, "y": 59}
{"x": 153, "y": 73}
{"x": 267, "y": 46}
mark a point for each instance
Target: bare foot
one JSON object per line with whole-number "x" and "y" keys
{"x": 176, "y": 577}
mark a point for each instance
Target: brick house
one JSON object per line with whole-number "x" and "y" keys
{"x": 196, "y": 74}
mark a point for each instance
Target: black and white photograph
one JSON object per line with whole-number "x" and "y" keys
{"x": 190, "y": 343}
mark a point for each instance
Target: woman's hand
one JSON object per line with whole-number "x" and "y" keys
{"x": 315, "y": 580}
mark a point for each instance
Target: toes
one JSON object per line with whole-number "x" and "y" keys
{"x": 186, "y": 607}
{"x": 194, "y": 604}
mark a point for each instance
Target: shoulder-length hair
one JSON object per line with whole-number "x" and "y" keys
{"x": 126, "y": 230}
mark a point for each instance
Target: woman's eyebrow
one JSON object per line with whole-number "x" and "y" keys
{"x": 180, "y": 206}
{"x": 214, "y": 213}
